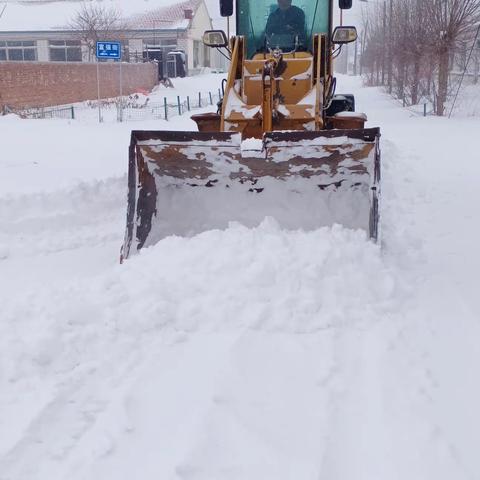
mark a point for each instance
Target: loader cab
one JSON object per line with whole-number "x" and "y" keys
{"x": 281, "y": 73}
{"x": 261, "y": 22}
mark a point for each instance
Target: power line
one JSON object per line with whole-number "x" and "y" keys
{"x": 465, "y": 69}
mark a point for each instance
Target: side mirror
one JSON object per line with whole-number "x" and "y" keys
{"x": 343, "y": 35}
{"x": 345, "y": 4}
{"x": 226, "y": 8}
{"x": 215, "y": 39}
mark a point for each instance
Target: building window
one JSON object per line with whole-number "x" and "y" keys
{"x": 65, "y": 51}
{"x": 18, "y": 51}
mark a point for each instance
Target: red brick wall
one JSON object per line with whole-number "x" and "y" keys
{"x": 35, "y": 84}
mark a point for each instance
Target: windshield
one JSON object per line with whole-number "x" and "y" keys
{"x": 281, "y": 23}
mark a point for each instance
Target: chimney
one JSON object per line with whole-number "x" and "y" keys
{"x": 188, "y": 14}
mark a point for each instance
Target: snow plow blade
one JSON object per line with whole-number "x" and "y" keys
{"x": 183, "y": 183}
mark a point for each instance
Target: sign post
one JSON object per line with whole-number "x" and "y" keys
{"x": 108, "y": 50}
{"x": 121, "y": 92}
{"x": 98, "y": 94}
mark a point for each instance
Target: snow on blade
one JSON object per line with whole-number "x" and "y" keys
{"x": 296, "y": 203}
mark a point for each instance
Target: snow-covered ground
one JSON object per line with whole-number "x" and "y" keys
{"x": 467, "y": 103}
{"x": 245, "y": 353}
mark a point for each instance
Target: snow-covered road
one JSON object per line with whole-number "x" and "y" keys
{"x": 245, "y": 353}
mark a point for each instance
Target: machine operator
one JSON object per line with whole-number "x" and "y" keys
{"x": 286, "y": 19}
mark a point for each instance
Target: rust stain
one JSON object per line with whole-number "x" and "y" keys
{"x": 176, "y": 161}
{"x": 172, "y": 161}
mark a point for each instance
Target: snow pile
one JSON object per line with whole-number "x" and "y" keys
{"x": 252, "y": 145}
{"x": 71, "y": 340}
{"x": 216, "y": 271}
{"x": 294, "y": 281}
{"x": 44, "y": 223}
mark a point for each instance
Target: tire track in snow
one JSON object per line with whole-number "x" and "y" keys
{"x": 357, "y": 427}
{"x": 438, "y": 340}
{"x": 271, "y": 396}
{"x": 82, "y": 397}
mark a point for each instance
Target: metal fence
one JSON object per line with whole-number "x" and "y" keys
{"x": 131, "y": 108}
{"x": 43, "y": 113}
{"x": 424, "y": 108}
{"x": 167, "y": 109}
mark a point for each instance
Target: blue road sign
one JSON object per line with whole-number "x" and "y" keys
{"x": 109, "y": 50}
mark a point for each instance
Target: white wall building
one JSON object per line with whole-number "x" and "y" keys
{"x": 167, "y": 32}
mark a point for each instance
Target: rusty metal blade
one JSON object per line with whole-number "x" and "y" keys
{"x": 231, "y": 182}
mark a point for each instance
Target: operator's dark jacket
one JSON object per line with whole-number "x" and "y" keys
{"x": 289, "y": 21}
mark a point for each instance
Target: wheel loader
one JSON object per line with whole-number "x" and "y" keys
{"x": 282, "y": 144}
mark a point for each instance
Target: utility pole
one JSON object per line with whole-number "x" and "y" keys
{"x": 465, "y": 69}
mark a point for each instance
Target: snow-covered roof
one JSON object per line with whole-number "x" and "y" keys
{"x": 168, "y": 17}
{"x": 48, "y": 15}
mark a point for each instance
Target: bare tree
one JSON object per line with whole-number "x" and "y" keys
{"x": 371, "y": 40}
{"x": 94, "y": 23}
{"x": 449, "y": 21}
{"x": 424, "y": 37}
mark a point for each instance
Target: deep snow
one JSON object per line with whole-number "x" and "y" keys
{"x": 244, "y": 353}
